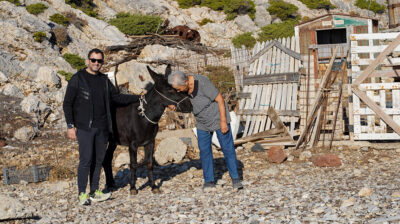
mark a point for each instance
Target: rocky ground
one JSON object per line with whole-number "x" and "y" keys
{"x": 366, "y": 188}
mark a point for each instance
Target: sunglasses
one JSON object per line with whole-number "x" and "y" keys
{"x": 93, "y": 60}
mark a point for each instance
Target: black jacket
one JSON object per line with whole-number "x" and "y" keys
{"x": 78, "y": 105}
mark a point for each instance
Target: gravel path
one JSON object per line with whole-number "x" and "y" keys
{"x": 366, "y": 188}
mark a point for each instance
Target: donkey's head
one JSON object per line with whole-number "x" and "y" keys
{"x": 168, "y": 94}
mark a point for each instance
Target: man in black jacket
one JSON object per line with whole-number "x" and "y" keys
{"x": 88, "y": 116}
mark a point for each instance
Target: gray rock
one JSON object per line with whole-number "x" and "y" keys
{"x": 25, "y": 134}
{"x": 170, "y": 150}
{"x": 11, "y": 90}
{"x": 215, "y": 29}
{"x": 32, "y": 104}
{"x": 47, "y": 75}
{"x": 11, "y": 208}
{"x": 272, "y": 171}
{"x": 122, "y": 159}
{"x": 3, "y": 78}
{"x": 152, "y": 7}
{"x": 263, "y": 18}
{"x": 245, "y": 23}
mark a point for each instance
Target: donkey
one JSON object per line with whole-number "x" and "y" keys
{"x": 137, "y": 125}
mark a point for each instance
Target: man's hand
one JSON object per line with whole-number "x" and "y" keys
{"x": 172, "y": 107}
{"x": 71, "y": 132}
{"x": 224, "y": 127}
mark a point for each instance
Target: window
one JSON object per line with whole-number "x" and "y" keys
{"x": 334, "y": 36}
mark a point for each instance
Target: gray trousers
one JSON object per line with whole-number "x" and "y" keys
{"x": 92, "y": 149}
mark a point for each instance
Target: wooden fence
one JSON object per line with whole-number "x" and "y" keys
{"x": 268, "y": 76}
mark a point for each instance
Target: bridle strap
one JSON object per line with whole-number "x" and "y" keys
{"x": 177, "y": 103}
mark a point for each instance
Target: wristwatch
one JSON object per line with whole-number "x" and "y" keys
{"x": 69, "y": 126}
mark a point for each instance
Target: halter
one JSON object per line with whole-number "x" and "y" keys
{"x": 142, "y": 100}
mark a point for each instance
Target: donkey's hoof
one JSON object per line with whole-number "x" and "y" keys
{"x": 156, "y": 191}
{"x": 133, "y": 192}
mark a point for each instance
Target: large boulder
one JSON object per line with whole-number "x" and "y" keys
{"x": 170, "y": 150}
{"x": 245, "y": 23}
{"x": 12, "y": 209}
{"x": 8, "y": 63}
{"x": 263, "y": 18}
{"x": 276, "y": 155}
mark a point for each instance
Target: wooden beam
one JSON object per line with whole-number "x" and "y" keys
{"x": 244, "y": 95}
{"x": 389, "y": 121}
{"x": 293, "y": 113}
{"x": 278, "y": 45}
{"x": 277, "y": 121}
{"x": 275, "y": 78}
{"x": 260, "y": 135}
{"x": 368, "y": 71}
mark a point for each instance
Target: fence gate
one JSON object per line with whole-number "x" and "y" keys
{"x": 375, "y": 79}
{"x": 270, "y": 79}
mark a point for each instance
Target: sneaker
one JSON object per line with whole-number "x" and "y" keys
{"x": 237, "y": 184}
{"x": 84, "y": 199}
{"x": 98, "y": 195}
{"x": 208, "y": 186}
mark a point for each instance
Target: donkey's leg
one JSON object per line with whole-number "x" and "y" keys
{"x": 107, "y": 165}
{"x": 149, "y": 149}
{"x": 133, "y": 166}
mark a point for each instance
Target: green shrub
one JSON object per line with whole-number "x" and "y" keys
{"x": 77, "y": 22}
{"x": 39, "y": 36}
{"x": 318, "y": 4}
{"x": 37, "y": 8}
{"x": 136, "y": 24}
{"x": 245, "y": 39}
{"x": 222, "y": 77}
{"x": 75, "y": 61}
{"x": 185, "y": 4}
{"x": 277, "y": 30}
{"x": 205, "y": 21}
{"x": 86, "y": 6}
{"x": 15, "y": 2}
{"x": 67, "y": 75}
{"x": 231, "y": 8}
{"x": 60, "y": 19}
{"x": 282, "y": 10}
{"x": 371, "y": 5}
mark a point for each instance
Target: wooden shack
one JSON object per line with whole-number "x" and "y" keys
{"x": 318, "y": 38}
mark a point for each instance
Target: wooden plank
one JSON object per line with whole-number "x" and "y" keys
{"x": 294, "y": 107}
{"x": 389, "y": 121}
{"x": 284, "y": 97}
{"x": 373, "y": 36}
{"x": 274, "y": 78}
{"x": 291, "y": 59}
{"x": 283, "y": 57}
{"x": 278, "y": 60}
{"x": 245, "y": 95}
{"x": 396, "y": 105}
{"x": 278, "y": 98}
{"x": 382, "y": 104}
{"x": 277, "y": 121}
{"x": 260, "y": 116}
{"x": 371, "y": 118}
{"x": 257, "y": 136}
{"x": 256, "y": 106}
{"x": 265, "y": 106}
{"x": 272, "y": 103}
{"x": 376, "y": 136}
{"x": 264, "y": 112}
{"x": 381, "y": 73}
{"x": 379, "y": 86}
{"x": 288, "y": 51}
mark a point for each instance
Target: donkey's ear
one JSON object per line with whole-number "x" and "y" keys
{"x": 153, "y": 74}
{"x": 167, "y": 70}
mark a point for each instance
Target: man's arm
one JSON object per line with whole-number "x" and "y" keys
{"x": 69, "y": 98}
{"x": 222, "y": 114}
{"x": 119, "y": 98}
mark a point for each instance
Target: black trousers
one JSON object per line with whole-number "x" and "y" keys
{"x": 92, "y": 149}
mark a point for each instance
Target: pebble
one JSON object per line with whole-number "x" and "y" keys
{"x": 365, "y": 192}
